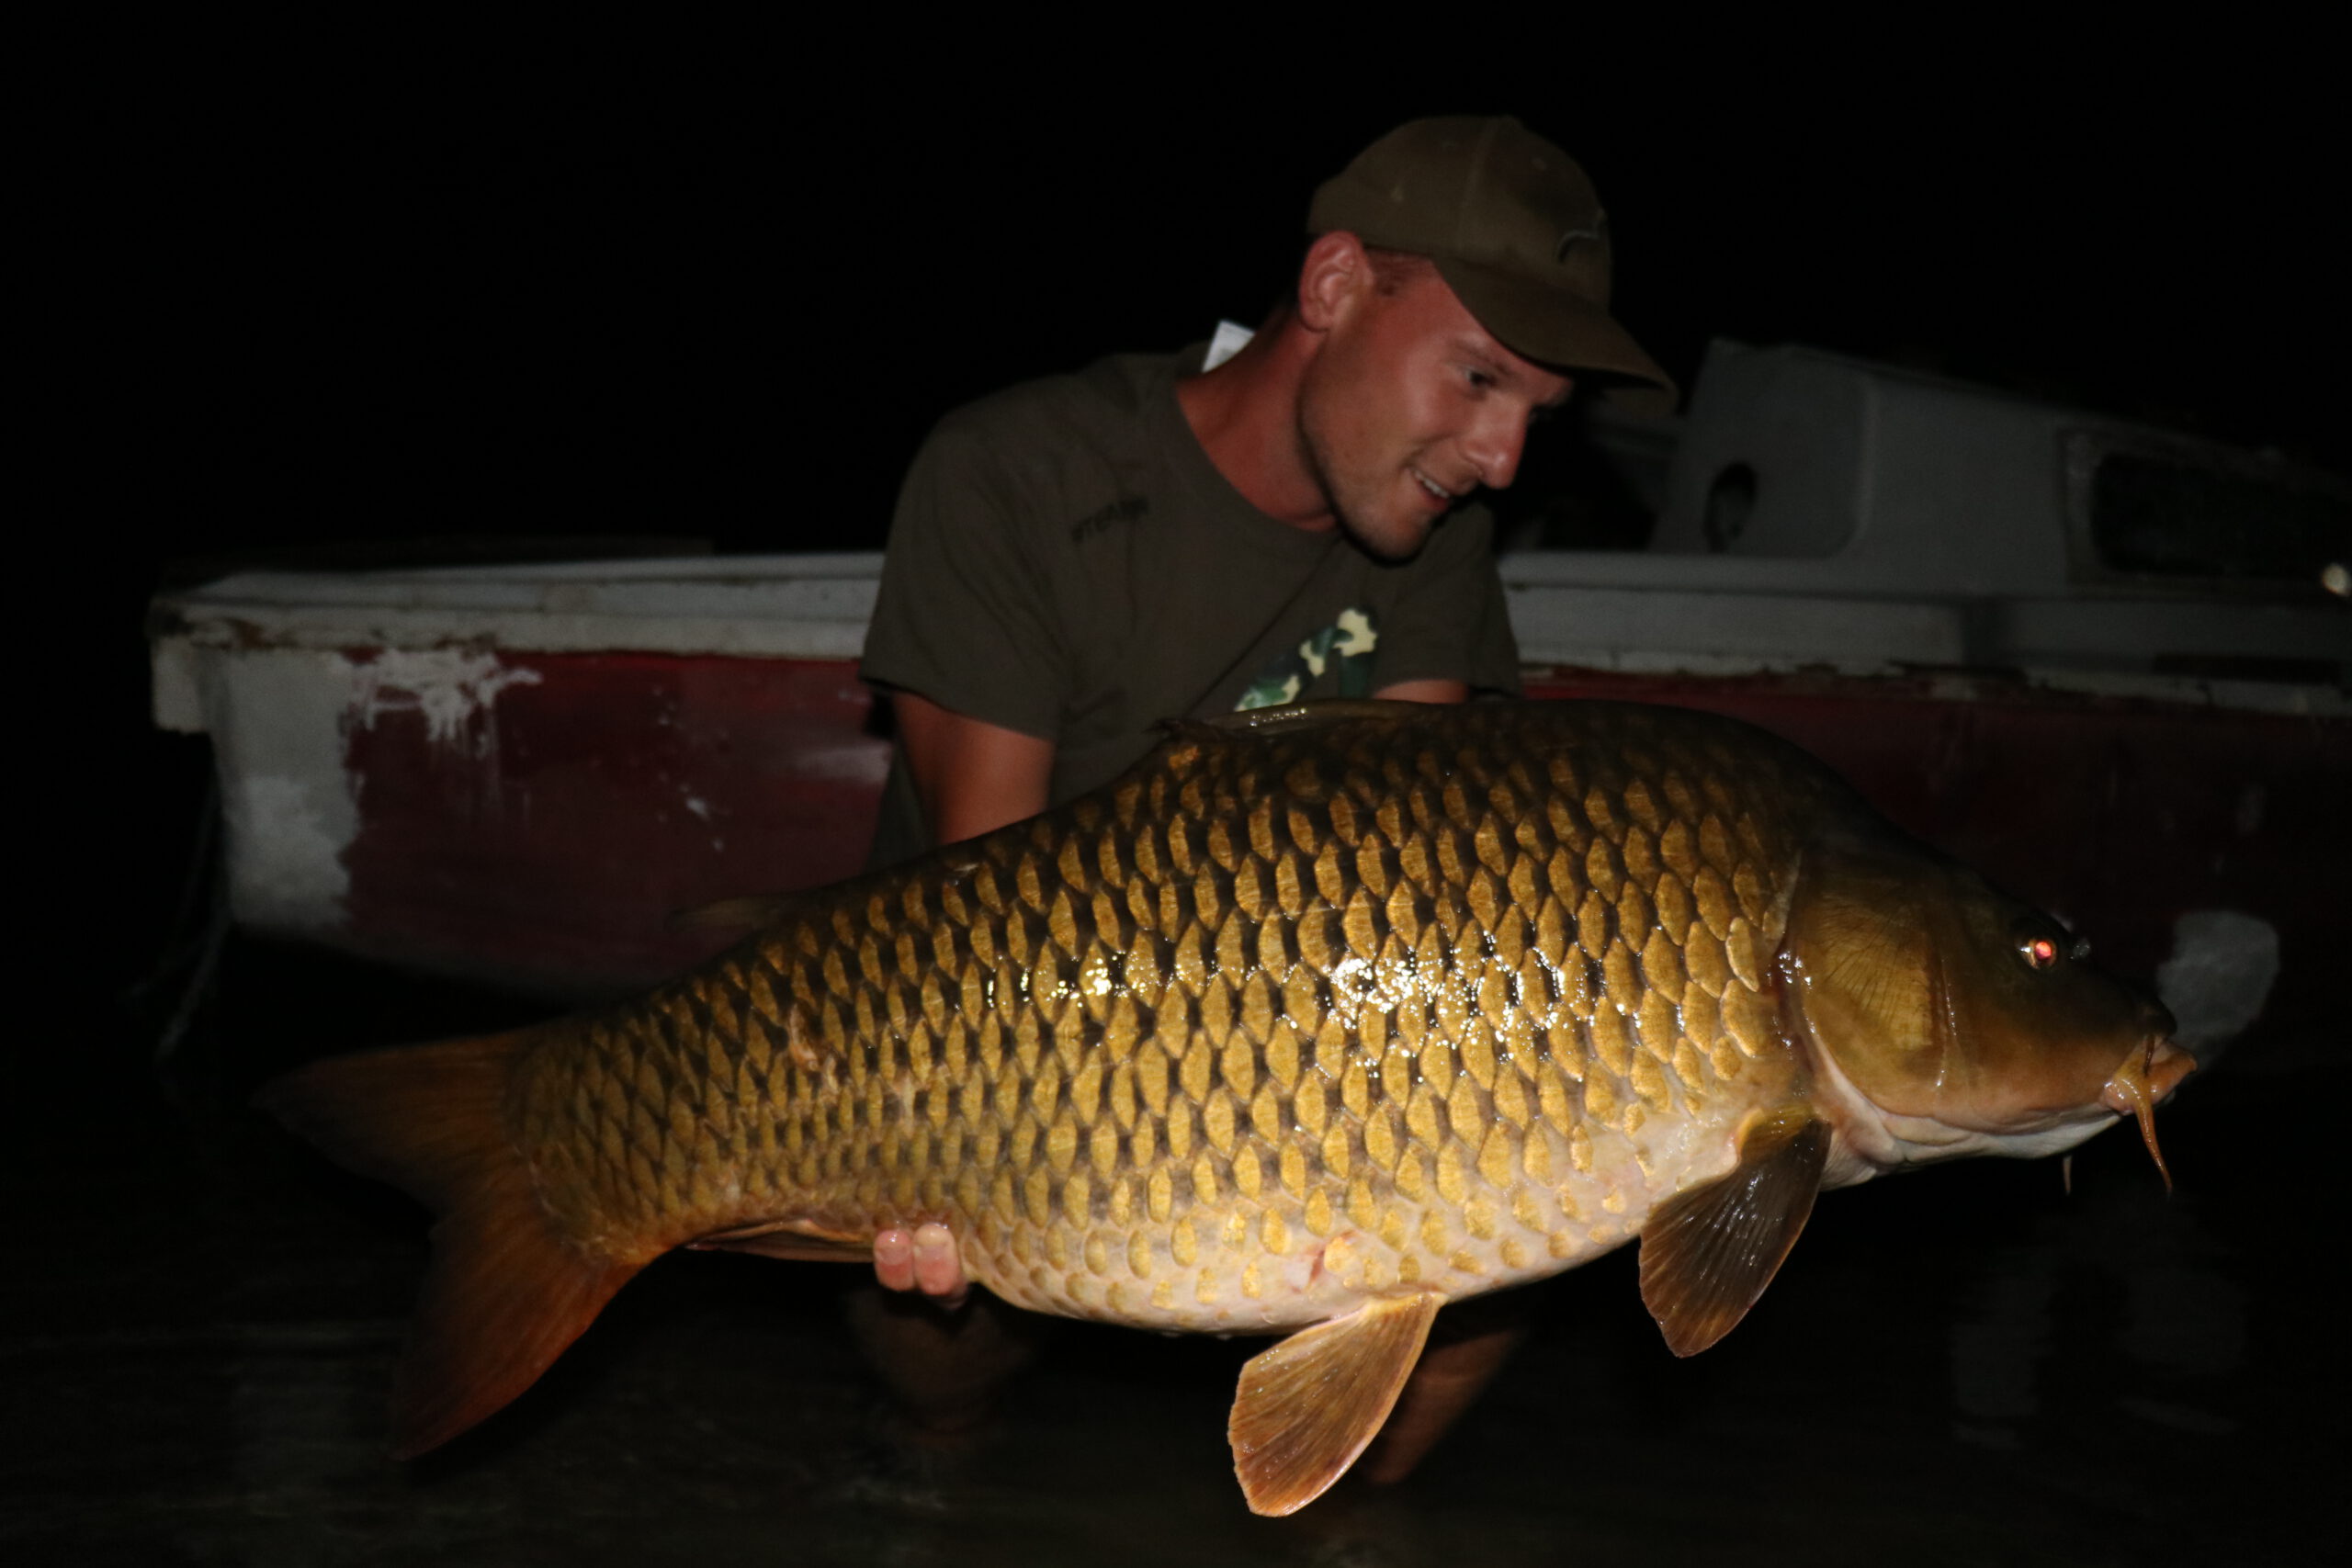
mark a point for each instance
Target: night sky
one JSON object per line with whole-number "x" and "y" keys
{"x": 511, "y": 301}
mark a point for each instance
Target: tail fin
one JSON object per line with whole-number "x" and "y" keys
{"x": 505, "y": 1294}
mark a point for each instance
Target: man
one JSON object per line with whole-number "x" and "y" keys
{"x": 1077, "y": 560}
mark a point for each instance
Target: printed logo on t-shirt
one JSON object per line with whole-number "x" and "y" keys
{"x": 1349, "y": 641}
{"x": 1126, "y": 509}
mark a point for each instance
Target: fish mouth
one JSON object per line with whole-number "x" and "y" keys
{"x": 2147, "y": 1075}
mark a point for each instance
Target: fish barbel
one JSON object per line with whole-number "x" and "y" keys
{"x": 1313, "y": 1021}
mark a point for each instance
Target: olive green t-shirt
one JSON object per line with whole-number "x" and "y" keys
{"x": 1067, "y": 562}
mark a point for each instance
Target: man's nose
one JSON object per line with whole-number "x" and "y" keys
{"x": 1494, "y": 448}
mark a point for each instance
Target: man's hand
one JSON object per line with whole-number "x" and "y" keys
{"x": 1432, "y": 690}
{"x": 923, "y": 1259}
{"x": 971, "y": 776}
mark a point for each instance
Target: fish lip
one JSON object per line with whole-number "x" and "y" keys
{"x": 2140, "y": 1084}
{"x": 2155, "y": 1068}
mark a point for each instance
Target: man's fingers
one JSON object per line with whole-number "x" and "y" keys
{"x": 924, "y": 1259}
{"x": 938, "y": 1271}
{"x": 893, "y": 1261}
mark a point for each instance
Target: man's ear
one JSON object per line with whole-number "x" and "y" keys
{"x": 1334, "y": 277}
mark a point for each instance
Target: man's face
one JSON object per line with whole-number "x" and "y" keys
{"x": 1409, "y": 405}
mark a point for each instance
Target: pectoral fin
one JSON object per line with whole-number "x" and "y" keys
{"x": 1306, "y": 1408}
{"x": 1708, "y": 1253}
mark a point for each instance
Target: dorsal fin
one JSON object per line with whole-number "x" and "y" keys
{"x": 749, "y": 912}
{"x": 1298, "y": 719}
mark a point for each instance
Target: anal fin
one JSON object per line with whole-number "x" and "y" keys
{"x": 798, "y": 1241}
{"x": 1306, "y": 1408}
{"x": 1707, "y": 1254}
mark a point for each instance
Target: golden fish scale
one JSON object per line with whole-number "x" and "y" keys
{"x": 1270, "y": 1024}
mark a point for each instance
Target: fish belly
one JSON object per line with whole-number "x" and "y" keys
{"x": 1268, "y": 1256}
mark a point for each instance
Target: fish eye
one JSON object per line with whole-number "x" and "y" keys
{"x": 2039, "y": 951}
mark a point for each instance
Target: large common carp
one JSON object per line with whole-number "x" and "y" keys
{"x": 1307, "y": 1025}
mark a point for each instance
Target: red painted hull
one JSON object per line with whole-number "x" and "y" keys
{"x": 622, "y": 788}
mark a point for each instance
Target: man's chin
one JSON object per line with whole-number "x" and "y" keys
{"x": 1393, "y": 540}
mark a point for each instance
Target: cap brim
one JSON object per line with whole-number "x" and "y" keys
{"x": 1555, "y": 327}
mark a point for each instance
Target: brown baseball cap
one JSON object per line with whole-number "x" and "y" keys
{"x": 1516, "y": 231}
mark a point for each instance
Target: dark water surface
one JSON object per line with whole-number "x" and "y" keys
{"x": 1965, "y": 1366}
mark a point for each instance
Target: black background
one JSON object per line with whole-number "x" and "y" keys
{"x": 510, "y": 297}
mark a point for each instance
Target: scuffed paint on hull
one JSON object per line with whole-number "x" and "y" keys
{"x": 531, "y": 820}
{"x": 455, "y": 690}
{"x": 288, "y": 808}
{"x": 283, "y": 723}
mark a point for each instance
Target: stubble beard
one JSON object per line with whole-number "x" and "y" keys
{"x": 1353, "y": 502}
